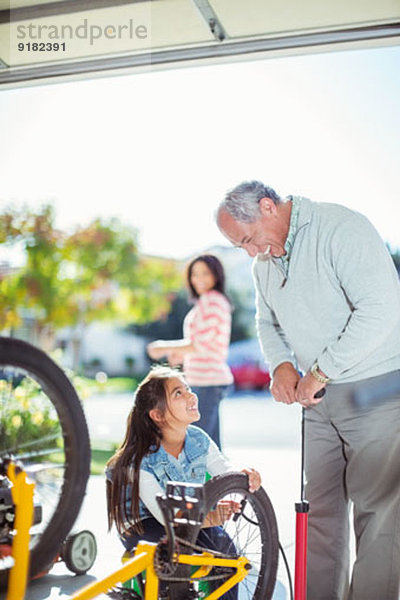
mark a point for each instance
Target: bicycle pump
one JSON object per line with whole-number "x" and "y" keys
{"x": 302, "y": 507}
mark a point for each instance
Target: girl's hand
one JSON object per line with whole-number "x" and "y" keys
{"x": 254, "y": 479}
{"x": 225, "y": 509}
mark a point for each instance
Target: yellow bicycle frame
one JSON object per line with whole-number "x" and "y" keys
{"x": 22, "y": 496}
{"x": 143, "y": 560}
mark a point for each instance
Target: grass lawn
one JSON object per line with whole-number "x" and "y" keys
{"x": 86, "y": 386}
{"x": 99, "y": 458}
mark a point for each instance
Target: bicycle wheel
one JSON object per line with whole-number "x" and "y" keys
{"x": 252, "y": 532}
{"x": 43, "y": 425}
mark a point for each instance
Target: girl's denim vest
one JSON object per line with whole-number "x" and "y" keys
{"x": 190, "y": 468}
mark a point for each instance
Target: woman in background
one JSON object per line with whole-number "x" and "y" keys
{"x": 203, "y": 350}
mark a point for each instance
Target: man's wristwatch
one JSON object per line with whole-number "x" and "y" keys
{"x": 315, "y": 372}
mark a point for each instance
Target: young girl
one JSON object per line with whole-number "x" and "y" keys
{"x": 162, "y": 445}
{"x": 206, "y": 335}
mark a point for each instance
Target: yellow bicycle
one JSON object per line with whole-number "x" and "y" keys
{"x": 176, "y": 568}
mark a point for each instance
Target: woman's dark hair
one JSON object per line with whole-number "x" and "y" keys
{"x": 143, "y": 436}
{"x": 216, "y": 268}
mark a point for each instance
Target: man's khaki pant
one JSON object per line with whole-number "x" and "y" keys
{"x": 353, "y": 454}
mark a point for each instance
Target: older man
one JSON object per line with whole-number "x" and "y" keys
{"x": 328, "y": 303}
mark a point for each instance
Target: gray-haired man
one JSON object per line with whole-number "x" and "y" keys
{"x": 328, "y": 302}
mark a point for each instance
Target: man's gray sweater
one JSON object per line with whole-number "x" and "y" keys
{"x": 339, "y": 302}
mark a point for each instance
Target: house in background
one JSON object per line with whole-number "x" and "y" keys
{"x": 108, "y": 348}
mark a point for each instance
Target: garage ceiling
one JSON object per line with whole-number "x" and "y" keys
{"x": 49, "y": 41}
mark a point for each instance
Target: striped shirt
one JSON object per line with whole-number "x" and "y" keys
{"x": 208, "y": 327}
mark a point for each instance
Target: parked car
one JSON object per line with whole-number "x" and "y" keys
{"x": 248, "y": 365}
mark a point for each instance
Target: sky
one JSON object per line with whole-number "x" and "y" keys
{"x": 160, "y": 149}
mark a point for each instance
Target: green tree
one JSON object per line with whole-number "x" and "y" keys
{"x": 71, "y": 279}
{"x": 31, "y": 289}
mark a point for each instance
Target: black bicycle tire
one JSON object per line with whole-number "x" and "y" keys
{"x": 18, "y": 353}
{"x": 221, "y": 485}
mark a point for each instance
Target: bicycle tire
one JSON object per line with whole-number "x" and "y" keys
{"x": 53, "y": 386}
{"x": 255, "y": 525}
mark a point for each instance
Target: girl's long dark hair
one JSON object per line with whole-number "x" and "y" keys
{"x": 142, "y": 437}
{"x": 216, "y": 268}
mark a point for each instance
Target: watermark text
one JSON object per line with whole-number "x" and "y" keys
{"x": 84, "y": 31}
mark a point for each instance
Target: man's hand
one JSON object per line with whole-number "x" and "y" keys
{"x": 306, "y": 389}
{"x": 284, "y": 382}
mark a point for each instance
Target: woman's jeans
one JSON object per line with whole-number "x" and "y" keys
{"x": 213, "y": 538}
{"x": 210, "y": 397}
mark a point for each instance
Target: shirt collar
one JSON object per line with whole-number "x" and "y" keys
{"x": 191, "y": 448}
{"x": 294, "y": 219}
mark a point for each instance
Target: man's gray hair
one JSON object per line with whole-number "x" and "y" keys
{"x": 242, "y": 202}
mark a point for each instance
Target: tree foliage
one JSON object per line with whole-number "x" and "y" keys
{"x": 70, "y": 278}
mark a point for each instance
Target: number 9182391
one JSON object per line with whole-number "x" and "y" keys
{"x": 42, "y": 47}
